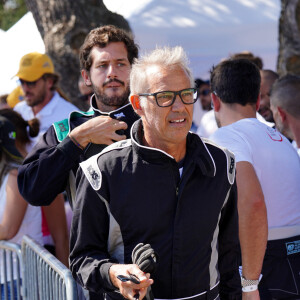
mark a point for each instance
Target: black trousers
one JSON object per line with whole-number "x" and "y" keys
{"x": 281, "y": 270}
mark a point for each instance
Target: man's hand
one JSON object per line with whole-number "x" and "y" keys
{"x": 99, "y": 130}
{"x": 129, "y": 289}
{"x": 251, "y": 295}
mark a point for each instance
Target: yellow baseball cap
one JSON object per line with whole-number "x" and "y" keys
{"x": 34, "y": 65}
{"x": 15, "y": 97}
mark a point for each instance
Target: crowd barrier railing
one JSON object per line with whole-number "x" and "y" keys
{"x": 45, "y": 277}
{"x": 11, "y": 271}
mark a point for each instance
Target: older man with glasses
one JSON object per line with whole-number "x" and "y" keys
{"x": 176, "y": 192}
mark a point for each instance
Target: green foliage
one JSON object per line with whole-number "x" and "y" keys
{"x": 11, "y": 11}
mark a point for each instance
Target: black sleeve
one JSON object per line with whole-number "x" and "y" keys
{"x": 89, "y": 257}
{"x": 229, "y": 250}
{"x": 45, "y": 170}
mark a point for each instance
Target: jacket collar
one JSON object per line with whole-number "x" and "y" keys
{"x": 127, "y": 108}
{"x": 197, "y": 152}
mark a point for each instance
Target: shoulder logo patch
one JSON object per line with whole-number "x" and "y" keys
{"x": 62, "y": 127}
{"x": 93, "y": 177}
{"x": 119, "y": 115}
{"x": 92, "y": 172}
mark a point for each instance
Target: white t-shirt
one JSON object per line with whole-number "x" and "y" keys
{"x": 208, "y": 124}
{"x": 275, "y": 161}
{"x": 57, "y": 109}
{"x": 31, "y": 225}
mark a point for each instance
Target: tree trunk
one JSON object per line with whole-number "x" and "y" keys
{"x": 63, "y": 25}
{"x": 289, "y": 38}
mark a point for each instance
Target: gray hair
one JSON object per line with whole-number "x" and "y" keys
{"x": 163, "y": 57}
{"x": 285, "y": 93}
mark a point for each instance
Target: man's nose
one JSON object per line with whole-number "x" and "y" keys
{"x": 25, "y": 87}
{"x": 178, "y": 105}
{"x": 111, "y": 71}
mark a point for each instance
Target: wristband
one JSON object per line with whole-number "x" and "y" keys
{"x": 250, "y": 288}
{"x": 75, "y": 142}
{"x": 249, "y": 285}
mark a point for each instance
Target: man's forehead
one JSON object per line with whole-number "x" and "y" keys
{"x": 161, "y": 78}
{"x": 113, "y": 51}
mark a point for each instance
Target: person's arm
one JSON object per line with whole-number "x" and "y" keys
{"x": 15, "y": 209}
{"x": 99, "y": 130}
{"x": 45, "y": 170}
{"x": 229, "y": 250}
{"x": 56, "y": 219}
{"x": 253, "y": 224}
{"x": 90, "y": 263}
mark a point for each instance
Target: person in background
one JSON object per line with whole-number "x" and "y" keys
{"x": 250, "y": 56}
{"x": 268, "y": 77}
{"x": 285, "y": 105}
{"x": 17, "y": 217}
{"x": 3, "y": 101}
{"x": 203, "y": 105}
{"x": 16, "y": 96}
{"x": 268, "y": 172}
{"x": 86, "y": 92}
{"x": 39, "y": 83}
{"x": 164, "y": 187}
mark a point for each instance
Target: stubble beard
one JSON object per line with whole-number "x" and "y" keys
{"x": 38, "y": 99}
{"x": 114, "y": 101}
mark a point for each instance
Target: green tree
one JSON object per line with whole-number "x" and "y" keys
{"x": 10, "y": 12}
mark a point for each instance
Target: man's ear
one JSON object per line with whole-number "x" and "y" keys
{"x": 135, "y": 102}
{"x": 86, "y": 77}
{"x": 257, "y": 103}
{"x": 281, "y": 113}
{"x": 216, "y": 102}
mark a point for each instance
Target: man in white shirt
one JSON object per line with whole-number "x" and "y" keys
{"x": 41, "y": 100}
{"x": 38, "y": 81}
{"x": 285, "y": 104}
{"x": 268, "y": 172}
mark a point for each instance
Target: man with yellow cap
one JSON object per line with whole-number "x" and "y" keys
{"x": 42, "y": 101}
{"x": 38, "y": 81}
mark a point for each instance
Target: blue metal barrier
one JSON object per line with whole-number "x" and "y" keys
{"x": 45, "y": 277}
{"x": 11, "y": 271}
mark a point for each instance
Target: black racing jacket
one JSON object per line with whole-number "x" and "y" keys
{"x": 50, "y": 168}
{"x": 131, "y": 194}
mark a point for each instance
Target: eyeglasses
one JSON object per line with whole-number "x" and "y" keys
{"x": 30, "y": 84}
{"x": 167, "y": 98}
{"x": 205, "y": 92}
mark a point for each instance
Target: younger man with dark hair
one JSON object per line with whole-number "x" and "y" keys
{"x": 105, "y": 56}
{"x": 268, "y": 172}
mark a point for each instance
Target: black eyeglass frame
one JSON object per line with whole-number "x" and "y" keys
{"x": 175, "y": 94}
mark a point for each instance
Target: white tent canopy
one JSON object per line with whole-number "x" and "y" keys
{"x": 208, "y": 30}
{"x": 20, "y": 39}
